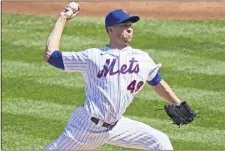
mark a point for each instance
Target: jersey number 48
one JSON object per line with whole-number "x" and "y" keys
{"x": 134, "y": 86}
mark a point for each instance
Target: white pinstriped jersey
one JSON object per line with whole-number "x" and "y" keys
{"x": 112, "y": 77}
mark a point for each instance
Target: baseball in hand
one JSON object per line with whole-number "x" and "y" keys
{"x": 70, "y": 10}
{"x": 74, "y": 6}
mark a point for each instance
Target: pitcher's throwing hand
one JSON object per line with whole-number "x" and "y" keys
{"x": 70, "y": 10}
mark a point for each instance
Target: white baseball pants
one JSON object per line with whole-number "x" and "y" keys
{"x": 83, "y": 134}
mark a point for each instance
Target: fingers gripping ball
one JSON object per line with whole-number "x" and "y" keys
{"x": 70, "y": 10}
{"x": 180, "y": 114}
{"x": 74, "y": 7}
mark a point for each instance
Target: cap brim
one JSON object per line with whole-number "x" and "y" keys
{"x": 132, "y": 19}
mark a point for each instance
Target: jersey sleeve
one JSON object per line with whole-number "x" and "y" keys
{"x": 75, "y": 61}
{"x": 154, "y": 68}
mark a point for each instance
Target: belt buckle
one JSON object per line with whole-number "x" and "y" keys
{"x": 100, "y": 123}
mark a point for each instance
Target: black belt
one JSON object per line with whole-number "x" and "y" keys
{"x": 106, "y": 125}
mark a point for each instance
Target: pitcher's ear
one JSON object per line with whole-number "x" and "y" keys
{"x": 109, "y": 29}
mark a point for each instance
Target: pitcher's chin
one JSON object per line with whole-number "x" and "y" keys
{"x": 127, "y": 41}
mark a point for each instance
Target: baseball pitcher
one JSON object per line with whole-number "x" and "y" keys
{"x": 113, "y": 74}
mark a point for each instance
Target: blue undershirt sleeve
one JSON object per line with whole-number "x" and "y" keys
{"x": 56, "y": 59}
{"x": 155, "y": 80}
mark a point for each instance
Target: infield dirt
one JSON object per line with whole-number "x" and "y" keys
{"x": 164, "y": 10}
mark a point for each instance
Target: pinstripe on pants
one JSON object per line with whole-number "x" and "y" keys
{"x": 82, "y": 134}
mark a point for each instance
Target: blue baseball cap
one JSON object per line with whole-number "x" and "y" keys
{"x": 119, "y": 16}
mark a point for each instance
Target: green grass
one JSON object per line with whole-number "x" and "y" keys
{"x": 38, "y": 99}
